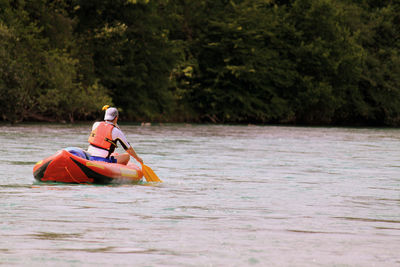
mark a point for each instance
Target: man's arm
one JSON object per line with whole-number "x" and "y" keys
{"x": 132, "y": 152}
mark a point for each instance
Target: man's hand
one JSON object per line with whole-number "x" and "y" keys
{"x": 139, "y": 159}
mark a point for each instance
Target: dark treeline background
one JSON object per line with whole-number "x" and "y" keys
{"x": 238, "y": 61}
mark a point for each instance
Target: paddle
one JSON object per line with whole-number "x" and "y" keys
{"x": 149, "y": 174}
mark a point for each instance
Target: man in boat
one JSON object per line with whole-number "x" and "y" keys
{"x": 104, "y": 137}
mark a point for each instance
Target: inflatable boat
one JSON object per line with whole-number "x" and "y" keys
{"x": 72, "y": 165}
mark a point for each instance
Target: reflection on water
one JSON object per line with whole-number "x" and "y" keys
{"x": 232, "y": 196}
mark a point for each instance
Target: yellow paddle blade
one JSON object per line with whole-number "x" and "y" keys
{"x": 149, "y": 174}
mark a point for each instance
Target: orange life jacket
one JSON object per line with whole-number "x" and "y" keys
{"x": 101, "y": 137}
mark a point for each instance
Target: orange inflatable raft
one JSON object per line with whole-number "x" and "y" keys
{"x": 72, "y": 165}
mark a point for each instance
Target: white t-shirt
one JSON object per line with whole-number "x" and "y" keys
{"x": 117, "y": 135}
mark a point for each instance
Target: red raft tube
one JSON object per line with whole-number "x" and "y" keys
{"x": 72, "y": 165}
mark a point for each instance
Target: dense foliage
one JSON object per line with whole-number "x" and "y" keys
{"x": 226, "y": 61}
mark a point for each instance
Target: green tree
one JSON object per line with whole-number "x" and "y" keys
{"x": 329, "y": 62}
{"x": 131, "y": 53}
{"x": 380, "y": 81}
{"x": 259, "y": 62}
{"x": 38, "y": 71}
{"x": 234, "y": 66}
{"x": 20, "y": 58}
{"x": 65, "y": 98}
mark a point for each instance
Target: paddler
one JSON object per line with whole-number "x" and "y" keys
{"x": 104, "y": 137}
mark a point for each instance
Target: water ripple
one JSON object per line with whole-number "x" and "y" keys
{"x": 232, "y": 196}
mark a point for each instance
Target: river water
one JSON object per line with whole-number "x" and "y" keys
{"x": 232, "y": 196}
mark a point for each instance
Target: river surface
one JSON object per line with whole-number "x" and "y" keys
{"x": 232, "y": 196}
